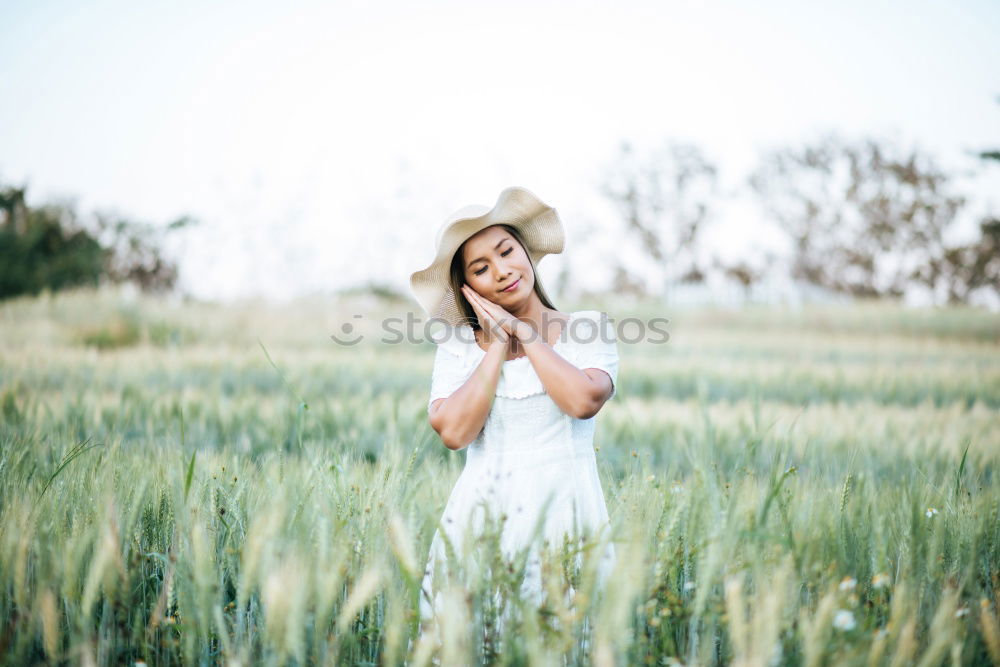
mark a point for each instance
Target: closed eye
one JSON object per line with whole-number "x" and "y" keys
{"x": 503, "y": 254}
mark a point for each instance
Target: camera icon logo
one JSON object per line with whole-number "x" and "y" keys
{"x": 347, "y": 329}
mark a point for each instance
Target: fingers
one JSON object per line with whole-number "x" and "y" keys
{"x": 492, "y": 318}
{"x": 486, "y": 321}
{"x": 472, "y": 295}
{"x": 496, "y": 311}
{"x": 475, "y": 300}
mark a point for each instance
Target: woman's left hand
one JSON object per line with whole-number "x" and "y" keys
{"x": 510, "y": 324}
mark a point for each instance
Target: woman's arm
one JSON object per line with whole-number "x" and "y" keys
{"x": 459, "y": 418}
{"x": 579, "y": 393}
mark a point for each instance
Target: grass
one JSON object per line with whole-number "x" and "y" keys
{"x": 810, "y": 486}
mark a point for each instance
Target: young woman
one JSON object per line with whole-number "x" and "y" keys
{"x": 516, "y": 383}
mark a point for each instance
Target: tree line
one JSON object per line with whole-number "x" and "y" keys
{"x": 54, "y": 247}
{"x": 863, "y": 218}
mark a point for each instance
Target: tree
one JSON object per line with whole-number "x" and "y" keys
{"x": 51, "y": 247}
{"x": 664, "y": 199}
{"x": 744, "y": 272}
{"x": 975, "y": 266}
{"x": 43, "y": 247}
{"x": 135, "y": 252}
{"x": 965, "y": 269}
{"x": 864, "y": 218}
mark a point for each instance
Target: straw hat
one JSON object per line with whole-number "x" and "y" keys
{"x": 537, "y": 222}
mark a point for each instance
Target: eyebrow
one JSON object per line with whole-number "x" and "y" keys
{"x": 483, "y": 259}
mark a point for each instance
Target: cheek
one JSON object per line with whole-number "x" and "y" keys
{"x": 526, "y": 268}
{"x": 479, "y": 284}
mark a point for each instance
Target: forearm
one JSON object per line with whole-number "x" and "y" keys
{"x": 569, "y": 387}
{"x": 462, "y": 415}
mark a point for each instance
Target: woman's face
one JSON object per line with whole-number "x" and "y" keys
{"x": 493, "y": 260}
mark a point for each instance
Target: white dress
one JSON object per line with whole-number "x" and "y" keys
{"x": 528, "y": 452}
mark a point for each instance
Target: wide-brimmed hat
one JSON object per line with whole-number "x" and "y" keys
{"x": 537, "y": 222}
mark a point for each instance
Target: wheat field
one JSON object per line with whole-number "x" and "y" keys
{"x": 187, "y": 483}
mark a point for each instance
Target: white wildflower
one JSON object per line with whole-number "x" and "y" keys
{"x": 848, "y": 584}
{"x": 930, "y": 512}
{"x": 844, "y": 620}
{"x": 676, "y": 487}
{"x": 688, "y": 585}
{"x": 961, "y": 611}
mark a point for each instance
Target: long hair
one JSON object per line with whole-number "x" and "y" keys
{"x": 456, "y": 277}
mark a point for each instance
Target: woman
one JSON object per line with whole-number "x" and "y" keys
{"x": 516, "y": 383}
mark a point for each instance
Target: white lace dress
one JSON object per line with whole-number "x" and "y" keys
{"x": 528, "y": 452}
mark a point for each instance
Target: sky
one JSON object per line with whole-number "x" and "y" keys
{"x": 321, "y": 144}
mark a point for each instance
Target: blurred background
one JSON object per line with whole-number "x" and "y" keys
{"x": 703, "y": 152}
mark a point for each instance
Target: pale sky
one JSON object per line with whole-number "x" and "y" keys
{"x": 321, "y": 144}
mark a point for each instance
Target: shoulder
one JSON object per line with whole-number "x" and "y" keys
{"x": 591, "y": 337}
{"x": 587, "y": 322}
{"x": 455, "y": 340}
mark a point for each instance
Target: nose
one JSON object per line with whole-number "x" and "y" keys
{"x": 501, "y": 271}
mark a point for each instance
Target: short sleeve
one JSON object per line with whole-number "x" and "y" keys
{"x": 596, "y": 345}
{"x": 449, "y": 372}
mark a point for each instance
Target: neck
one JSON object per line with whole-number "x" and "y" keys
{"x": 533, "y": 312}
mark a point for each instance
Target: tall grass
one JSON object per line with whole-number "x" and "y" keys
{"x": 786, "y": 487}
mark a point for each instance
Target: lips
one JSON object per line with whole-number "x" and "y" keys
{"x": 513, "y": 286}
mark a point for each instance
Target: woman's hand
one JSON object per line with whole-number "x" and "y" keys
{"x": 489, "y": 323}
{"x": 510, "y": 325}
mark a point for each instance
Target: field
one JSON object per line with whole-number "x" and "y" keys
{"x": 185, "y": 483}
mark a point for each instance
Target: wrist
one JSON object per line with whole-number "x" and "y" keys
{"x": 496, "y": 352}
{"x": 523, "y": 332}
{"x": 497, "y": 339}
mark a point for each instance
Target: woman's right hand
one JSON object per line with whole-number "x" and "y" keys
{"x": 492, "y": 330}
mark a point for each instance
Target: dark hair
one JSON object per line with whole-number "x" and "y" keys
{"x": 456, "y": 278}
